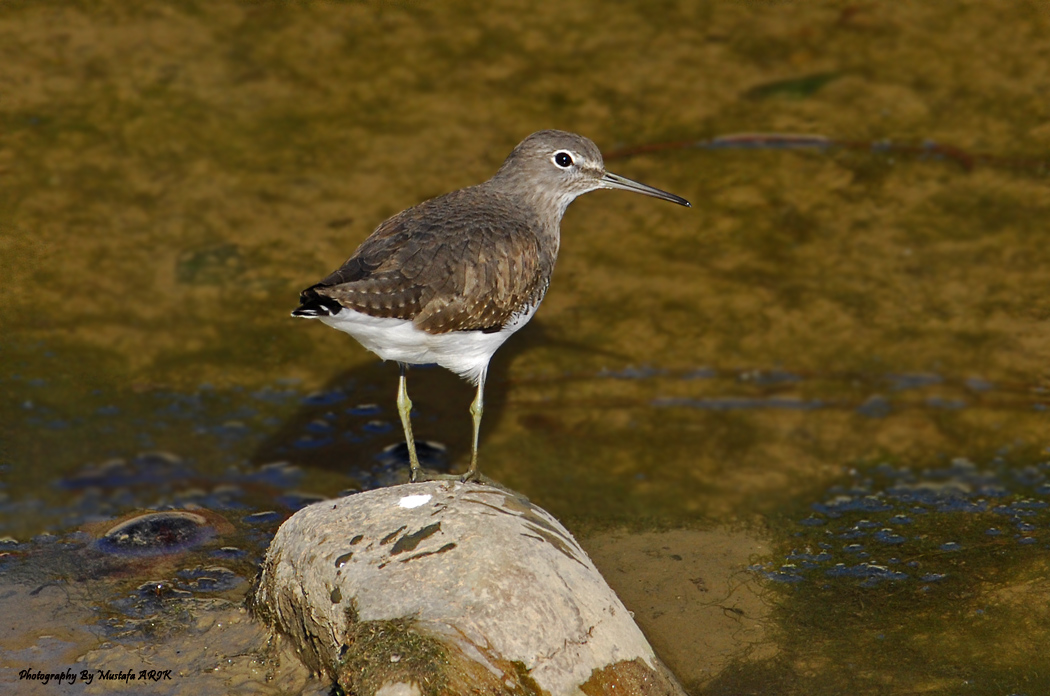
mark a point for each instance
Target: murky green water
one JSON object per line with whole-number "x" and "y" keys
{"x": 837, "y": 357}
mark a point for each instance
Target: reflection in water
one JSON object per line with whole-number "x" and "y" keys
{"x": 340, "y": 426}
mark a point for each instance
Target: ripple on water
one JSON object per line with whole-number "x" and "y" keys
{"x": 297, "y": 500}
{"x": 319, "y": 427}
{"x": 878, "y": 503}
{"x": 265, "y": 517}
{"x": 324, "y": 398}
{"x": 210, "y": 579}
{"x": 888, "y": 536}
{"x": 146, "y": 468}
{"x": 308, "y": 442}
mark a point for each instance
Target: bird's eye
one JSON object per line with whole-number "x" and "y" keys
{"x": 562, "y": 159}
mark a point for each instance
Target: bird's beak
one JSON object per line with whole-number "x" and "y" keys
{"x": 614, "y": 181}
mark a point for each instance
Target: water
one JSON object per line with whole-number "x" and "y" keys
{"x": 830, "y": 371}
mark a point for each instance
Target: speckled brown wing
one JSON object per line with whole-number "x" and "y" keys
{"x": 461, "y": 262}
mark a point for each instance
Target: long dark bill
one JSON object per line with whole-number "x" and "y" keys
{"x": 615, "y": 181}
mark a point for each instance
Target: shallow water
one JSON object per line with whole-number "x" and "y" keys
{"x": 829, "y": 374}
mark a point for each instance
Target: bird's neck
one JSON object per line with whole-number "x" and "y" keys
{"x": 547, "y": 206}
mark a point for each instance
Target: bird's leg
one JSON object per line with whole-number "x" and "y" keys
{"x": 404, "y": 409}
{"x": 476, "y": 409}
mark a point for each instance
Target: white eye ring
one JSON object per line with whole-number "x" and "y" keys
{"x": 563, "y": 159}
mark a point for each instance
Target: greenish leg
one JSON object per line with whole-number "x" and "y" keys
{"x": 404, "y": 409}
{"x": 476, "y": 409}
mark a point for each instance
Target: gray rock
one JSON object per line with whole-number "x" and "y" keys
{"x": 447, "y": 588}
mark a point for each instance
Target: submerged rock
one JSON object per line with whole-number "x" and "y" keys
{"x": 449, "y": 588}
{"x": 158, "y": 533}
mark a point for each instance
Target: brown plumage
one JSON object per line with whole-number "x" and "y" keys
{"x": 461, "y": 262}
{"x": 447, "y": 281}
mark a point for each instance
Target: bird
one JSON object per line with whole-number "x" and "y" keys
{"x": 449, "y": 280}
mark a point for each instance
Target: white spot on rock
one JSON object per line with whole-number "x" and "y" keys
{"x": 413, "y": 501}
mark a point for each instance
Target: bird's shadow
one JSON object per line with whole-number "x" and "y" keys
{"x": 351, "y": 426}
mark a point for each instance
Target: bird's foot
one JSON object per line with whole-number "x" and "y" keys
{"x": 472, "y": 476}
{"x": 422, "y": 475}
{"x": 481, "y": 479}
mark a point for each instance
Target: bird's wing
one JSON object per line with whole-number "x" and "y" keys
{"x": 447, "y": 265}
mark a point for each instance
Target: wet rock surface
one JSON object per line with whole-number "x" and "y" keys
{"x": 456, "y": 586}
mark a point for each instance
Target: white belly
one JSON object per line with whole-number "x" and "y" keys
{"x": 467, "y": 353}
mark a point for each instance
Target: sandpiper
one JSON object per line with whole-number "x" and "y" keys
{"x": 449, "y": 280}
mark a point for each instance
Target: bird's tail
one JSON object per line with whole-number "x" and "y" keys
{"x": 312, "y": 304}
